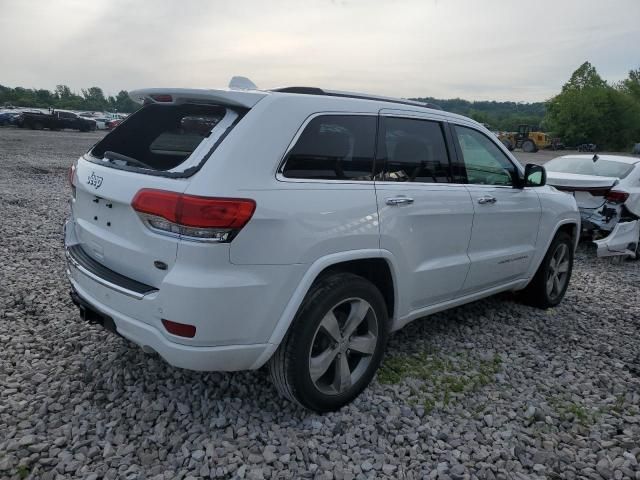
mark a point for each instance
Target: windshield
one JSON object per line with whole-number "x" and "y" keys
{"x": 586, "y": 166}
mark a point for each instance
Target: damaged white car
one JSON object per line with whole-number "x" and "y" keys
{"x": 607, "y": 191}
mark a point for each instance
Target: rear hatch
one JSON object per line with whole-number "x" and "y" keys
{"x": 111, "y": 232}
{"x": 588, "y": 190}
{"x": 159, "y": 147}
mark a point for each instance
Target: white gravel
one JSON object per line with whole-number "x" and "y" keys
{"x": 491, "y": 390}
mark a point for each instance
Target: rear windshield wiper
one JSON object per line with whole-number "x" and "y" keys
{"x": 109, "y": 155}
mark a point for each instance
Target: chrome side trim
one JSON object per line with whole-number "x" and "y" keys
{"x": 72, "y": 262}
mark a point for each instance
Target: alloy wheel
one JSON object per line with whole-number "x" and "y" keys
{"x": 558, "y": 272}
{"x": 343, "y": 346}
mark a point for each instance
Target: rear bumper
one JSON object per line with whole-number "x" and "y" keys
{"x": 622, "y": 240}
{"x": 223, "y": 358}
{"x": 234, "y": 308}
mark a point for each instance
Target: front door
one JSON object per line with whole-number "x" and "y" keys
{"x": 425, "y": 219}
{"x": 506, "y": 220}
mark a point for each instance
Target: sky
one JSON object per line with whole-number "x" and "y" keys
{"x": 472, "y": 49}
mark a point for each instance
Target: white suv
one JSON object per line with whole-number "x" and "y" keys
{"x": 227, "y": 229}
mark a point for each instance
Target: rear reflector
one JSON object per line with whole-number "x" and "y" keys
{"x": 615, "y": 196}
{"x": 206, "y": 218}
{"x": 72, "y": 175}
{"x": 179, "y": 329}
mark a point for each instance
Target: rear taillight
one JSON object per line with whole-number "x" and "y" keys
{"x": 615, "y": 196}
{"x": 198, "y": 218}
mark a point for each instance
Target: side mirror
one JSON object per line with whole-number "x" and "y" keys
{"x": 534, "y": 175}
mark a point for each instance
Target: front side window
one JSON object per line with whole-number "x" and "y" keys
{"x": 334, "y": 147}
{"x": 484, "y": 162}
{"x": 413, "y": 151}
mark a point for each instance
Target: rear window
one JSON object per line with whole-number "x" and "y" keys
{"x": 415, "y": 151}
{"x": 163, "y": 137}
{"x": 586, "y": 166}
{"x": 334, "y": 147}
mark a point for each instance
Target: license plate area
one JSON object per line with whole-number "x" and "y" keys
{"x": 102, "y": 211}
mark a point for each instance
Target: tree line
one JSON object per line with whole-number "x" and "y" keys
{"x": 503, "y": 116}
{"x": 90, "y": 99}
{"x": 591, "y": 110}
{"x": 588, "y": 109}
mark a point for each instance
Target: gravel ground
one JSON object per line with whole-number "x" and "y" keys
{"x": 494, "y": 389}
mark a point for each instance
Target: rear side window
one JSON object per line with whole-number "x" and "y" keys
{"x": 414, "y": 151}
{"x": 334, "y": 147}
{"x": 160, "y": 137}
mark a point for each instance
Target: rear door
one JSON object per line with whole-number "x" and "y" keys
{"x": 111, "y": 232}
{"x": 506, "y": 219}
{"x": 65, "y": 120}
{"x": 425, "y": 217}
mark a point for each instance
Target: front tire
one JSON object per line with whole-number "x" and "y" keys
{"x": 549, "y": 285}
{"x": 335, "y": 344}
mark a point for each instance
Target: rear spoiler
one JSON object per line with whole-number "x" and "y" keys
{"x": 176, "y": 96}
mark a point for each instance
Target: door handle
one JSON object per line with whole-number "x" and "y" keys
{"x": 487, "y": 199}
{"x": 399, "y": 201}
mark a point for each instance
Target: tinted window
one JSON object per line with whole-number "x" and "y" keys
{"x": 414, "y": 151}
{"x": 586, "y": 166}
{"x": 334, "y": 147}
{"x": 485, "y": 163}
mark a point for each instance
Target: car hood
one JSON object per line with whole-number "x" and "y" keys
{"x": 577, "y": 181}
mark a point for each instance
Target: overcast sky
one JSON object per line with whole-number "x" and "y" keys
{"x": 473, "y": 49}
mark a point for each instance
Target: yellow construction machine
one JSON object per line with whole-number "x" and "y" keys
{"x": 525, "y": 139}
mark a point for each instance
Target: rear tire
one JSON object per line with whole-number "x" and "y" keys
{"x": 549, "y": 285}
{"x": 529, "y": 146}
{"x": 334, "y": 345}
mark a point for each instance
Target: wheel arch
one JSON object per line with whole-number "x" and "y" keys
{"x": 569, "y": 225}
{"x": 376, "y": 265}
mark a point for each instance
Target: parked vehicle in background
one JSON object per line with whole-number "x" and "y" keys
{"x": 227, "y": 229}
{"x": 101, "y": 123}
{"x": 8, "y": 118}
{"x": 607, "y": 190}
{"x": 57, "y": 120}
{"x": 587, "y": 147}
{"x": 111, "y": 124}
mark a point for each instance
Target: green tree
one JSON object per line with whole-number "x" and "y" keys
{"x": 94, "y": 98}
{"x": 63, "y": 92}
{"x": 589, "y": 110}
{"x": 631, "y": 86}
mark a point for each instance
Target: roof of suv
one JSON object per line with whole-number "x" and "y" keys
{"x": 248, "y": 98}
{"x": 361, "y": 96}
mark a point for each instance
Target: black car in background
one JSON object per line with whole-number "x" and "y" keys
{"x": 56, "y": 120}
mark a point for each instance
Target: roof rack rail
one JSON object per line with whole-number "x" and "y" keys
{"x": 334, "y": 93}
